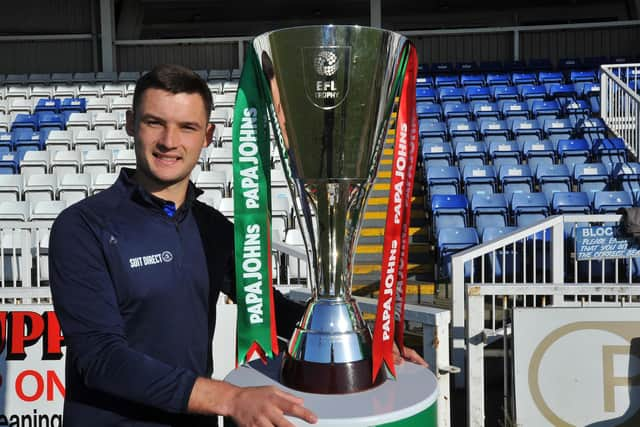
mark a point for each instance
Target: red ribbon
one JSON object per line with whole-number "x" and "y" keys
{"x": 391, "y": 297}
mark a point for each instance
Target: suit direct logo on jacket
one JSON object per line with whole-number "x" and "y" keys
{"x": 142, "y": 261}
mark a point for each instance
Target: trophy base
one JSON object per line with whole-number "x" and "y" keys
{"x": 328, "y": 378}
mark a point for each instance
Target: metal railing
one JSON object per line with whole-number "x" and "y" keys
{"x": 532, "y": 267}
{"x": 620, "y": 104}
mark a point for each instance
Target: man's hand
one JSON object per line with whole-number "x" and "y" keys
{"x": 267, "y": 406}
{"x": 408, "y": 354}
{"x": 248, "y": 406}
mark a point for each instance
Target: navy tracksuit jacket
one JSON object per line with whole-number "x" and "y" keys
{"x": 135, "y": 292}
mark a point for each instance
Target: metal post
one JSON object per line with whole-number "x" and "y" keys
{"x": 475, "y": 358}
{"x": 376, "y": 13}
{"x": 516, "y": 45}
{"x": 240, "y": 54}
{"x": 107, "y": 31}
{"x": 457, "y": 318}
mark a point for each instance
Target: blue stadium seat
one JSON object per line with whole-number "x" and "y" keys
{"x": 577, "y": 110}
{"x": 77, "y": 105}
{"x": 436, "y": 154}
{"x": 479, "y": 180}
{"x": 485, "y": 109}
{"x": 528, "y": 208}
{"x": 455, "y": 109}
{"x": 451, "y": 94}
{"x": 489, "y": 210}
{"x": 504, "y": 92}
{"x": 552, "y": 179}
{"x": 501, "y": 262}
{"x": 563, "y": 93}
{"x": 611, "y": 201}
{"x": 523, "y": 78}
{"x": 591, "y": 129}
{"x": 591, "y": 178}
{"x": 564, "y": 202}
{"x": 442, "y": 81}
{"x": 609, "y": 150}
{"x": 477, "y": 93}
{"x": 528, "y": 92}
{"x": 429, "y": 111}
{"x": 626, "y": 177}
{"x": 426, "y": 94}
{"x": 423, "y": 80}
{"x": 470, "y": 153}
{"x": 557, "y": 129}
{"x": 6, "y": 142}
{"x": 526, "y": 130}
{"x": 448, "y": 210}
{"x": 472, "y": 80}
{"x": 517, "y": 65}
{"x": 538, "y": 153}
{"x": 26, "y": 140}
{"x": 541, "y": 109}
{"x": 432, "y": 131}
{"x": 512, "y": 108}
{"x": 9, "y": 163}
{"x": 573, "y": 151}
{"x": 495, "y": 79}
{"x": 51, "y": 105}
{"x": 515, "y": 179}
{"x": 591, "y": 93}
{"x": 443, "y": 180}
{"x": 504, "y": 153}
{"x": 48, "y": 121}
{"x": 25, "y": 121}
{"x": 423, "y": 70}
{"x": 548, "y": 77}
{"x": 494, "y": 128}
{"x": 461, "y": 129}
{"x": 450, "y": 241}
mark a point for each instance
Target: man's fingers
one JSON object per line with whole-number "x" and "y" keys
{"x": 293, "y": 405}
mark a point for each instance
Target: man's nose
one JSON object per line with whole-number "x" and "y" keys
{"x": 170, "y": 138}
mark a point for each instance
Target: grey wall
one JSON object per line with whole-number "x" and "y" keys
{"x": 196, "y": 56}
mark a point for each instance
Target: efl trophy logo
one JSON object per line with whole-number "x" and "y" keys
{"x": 326, "y": 73}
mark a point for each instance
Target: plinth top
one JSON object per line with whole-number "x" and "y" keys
{"x": 413, "y": 391}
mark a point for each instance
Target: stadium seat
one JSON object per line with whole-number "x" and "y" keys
{"x": 424, "y": 81}
{"x": 526, "y": 130}
{"x": 563, "y": 93}
{"x": 432, "y": 131}
{"x": 116, "y": 139}
{"x": 48, "y": 121}
{"x": 502, "y": 261}
{"x": 39, "y": 187}
{"x": 528, "y": 208}
{"x": 548, "y": 77}
{"x": 542, "y": 110}
{"x": 440, "y": 68}
{"x": 557, "y": 129}
{"x": 46, "y": 210}
{"x": 609, "y": 150}
{"x": 124, "y": 158}
{"x": 84, "y": 140}
{"x": 513, "y": 108}
{"x": 592, "y": 129}
{"x": 14, "y": 211}
{"x": 50, "y": 105}
{"x": 86, "y": 90}
{"x": 573, "y": 151}
{"x": 479, "y": 180}
{"x": 74, "y": 187}
{"x": 9, "y": 163}
{"x": 436, "y": 154}
{"x": 81, "y": 121}
{"x": 504, "y": 153}
{"x": 35, "y": 162}
{"x": 515, "y": 179}
{"x": 443, "y": 180}
{"x": 59, "y": 140}
{"x": 477, "y": 93}
{"x": 523, "y": 78}
{"x": 626, "y": 177}
{"x": 472, "y": 81}
{"x": 427, "y": 94}
{"x": 450, "y": 241}
{"x": 102, "y": 181}
{"x": 96, "y": 161}
{"x": 73, "y": 105}
{"x": 484, "y": 109}
{"x": 591, "y": 178}
{"x": 498, "y": 79}
{"x": 24, "y": 121}
{"x": 215, "y": 184}
{"x": 489, "y": 210}
{"x": 530, "y": 92}
{"x": 461, "y": 129}
{"x": 611, "y": 201}
{"x": 445, "y": 80}
{"x": 570, "y": 202}
{"x": 11, "y": 188}
{"x": 470, "y": 153}
{"x": 104, "y": 121}
{"x": 552, "y": 179}
{"x": 497, "y": 129}
{"x": 540, "y": 64}
{"x": 456, "y": 109}
{"x": 538, "y": 153}
{"x": 428, "y": 111}
{"x": 120, "y": 103}
{"x": 500, "y": 93}
{"x": 491, "y": 67}
{"x": 448, "y": 210}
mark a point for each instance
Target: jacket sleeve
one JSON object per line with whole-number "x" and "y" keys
{"x": 86, "y": 304}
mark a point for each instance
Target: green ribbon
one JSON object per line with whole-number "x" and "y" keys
{"x": 252, "y": 214}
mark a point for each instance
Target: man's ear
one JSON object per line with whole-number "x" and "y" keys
{"x": 209, "y": 135}
{"x": 131, "y": 123}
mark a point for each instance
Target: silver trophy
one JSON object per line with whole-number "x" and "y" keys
{"x": 333, "y": 90}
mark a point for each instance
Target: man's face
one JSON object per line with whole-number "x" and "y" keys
{"x": 170, "y": 130}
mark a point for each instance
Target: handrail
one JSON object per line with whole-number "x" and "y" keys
{"x": 620, "y": 105}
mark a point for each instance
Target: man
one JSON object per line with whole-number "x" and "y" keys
{"x": 135, "y": 274}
